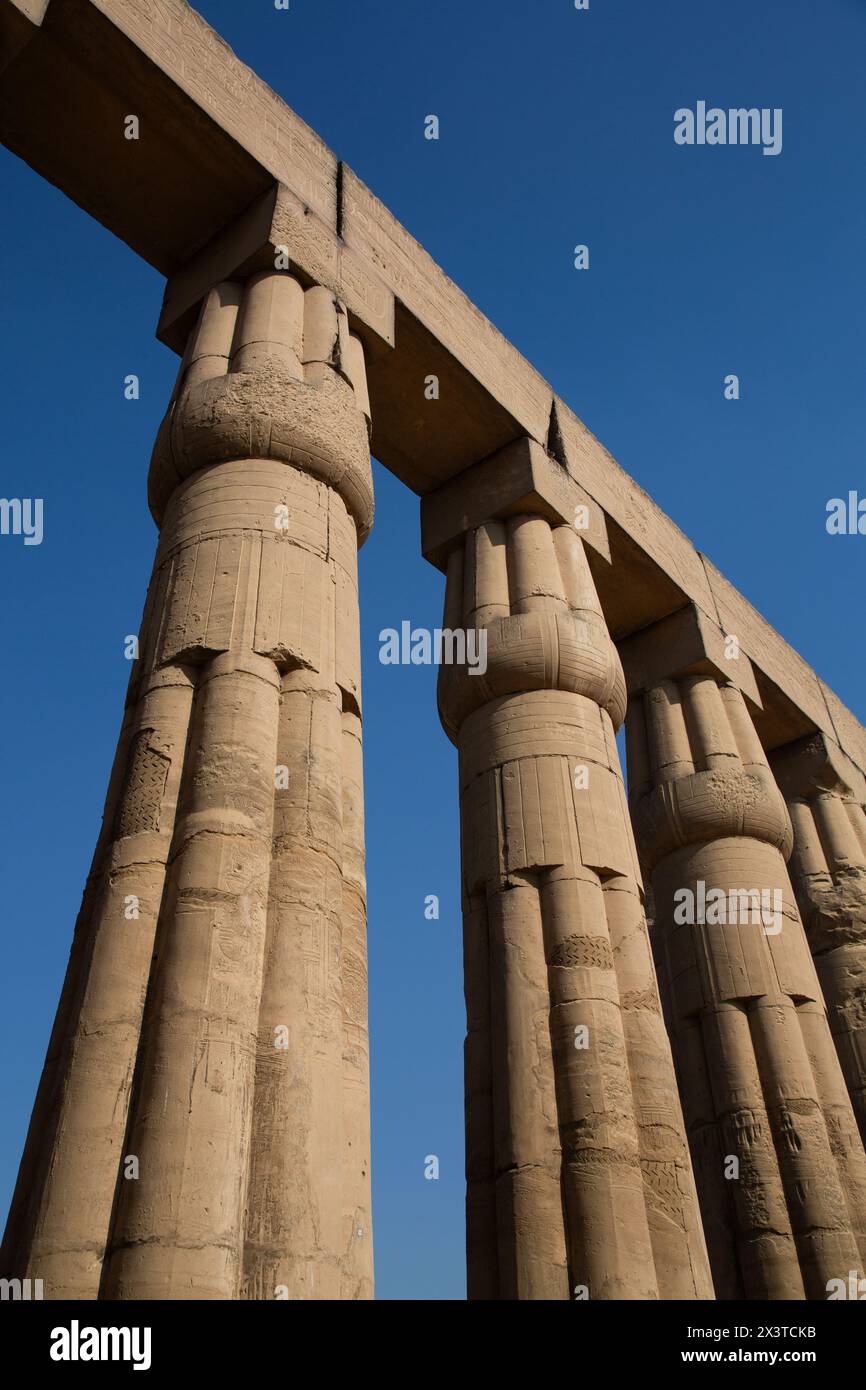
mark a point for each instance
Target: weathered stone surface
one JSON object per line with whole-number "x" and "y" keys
{"x": 828, "y": 871}
{"x": 780, "y": 1167}
{"x": 280, "y": 223}
{"x": 521, "y": 478}
{"x": 219, "y": 1035}
{"x": 686, "y": 643}
{"x": 578, "y": 1178}
{"x": 223, "y": 171}
{"x": 213, "y": 1019}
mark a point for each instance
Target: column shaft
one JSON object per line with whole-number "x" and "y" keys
{"x": 178, "y": 1229}
{"x": 578, "y": 1176}
{"x": 168, "y": 1049}
{"x": 59, "y": 1220}
{"x": 828, "y": 870}
{"x": 780, "y": 1174}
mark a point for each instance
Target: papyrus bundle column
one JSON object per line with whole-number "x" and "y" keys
{"x": 202, "y": 1129}
{"x": 61, "y": 1209}
{"x": 578, "y": 1176}
{"x": 780, "y": 1167}
{"x": 828, "y": 871}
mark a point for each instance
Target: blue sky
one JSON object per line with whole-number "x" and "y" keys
{"x": 556, "y": 129}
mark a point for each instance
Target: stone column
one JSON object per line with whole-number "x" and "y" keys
{"x": 202, "y": 1129}
{"x": 780, "y": 1169}
{"x": 578, "y": 1176}
{"x": 825, "y": 793}
{"x": 61, "y": 1210}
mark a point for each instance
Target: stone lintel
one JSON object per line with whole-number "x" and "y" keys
{"x": 34, "y": 10}
{"x": 845, "y": 729}
{"x": 447, "y": 315}
{"x": 214, "y": 141}
{"x": 19, "y": 22}
{"x": 521, "y": 478}
{"x": 279, "y": 219}
{"x": 816, "y": 764}
{"x": 686, "y": 643}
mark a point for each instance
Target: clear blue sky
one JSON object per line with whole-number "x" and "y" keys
{"x": 556, "y": 128}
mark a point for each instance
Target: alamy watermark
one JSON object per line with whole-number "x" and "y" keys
{"x": 77, "y": 1343}
{"x": 440, "y": 647}
{"x": 22, "y": 516}
{"x": 846, "y": 516}
{"x": 853, "y": 1287}
{"x": 719, "y": 907}
{"x": 21, "y": 1290}
{"x": 736, "y": 126}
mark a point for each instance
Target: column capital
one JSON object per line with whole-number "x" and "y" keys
{"x": 271, "y": 371}
{"x": 276, "y": 226}
{"x": 697, "y": 771}
{"x": 814, "y": 765}
{"x": 520, "y": 479}
{"x": 521, "y": 590}
{"x": 686, "y": 643}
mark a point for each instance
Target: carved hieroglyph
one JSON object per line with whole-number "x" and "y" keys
{"x": 579, "y": 1181}
{"x": 213, "y": 1023}
{"x": 212, "y": 1027}
{"x": 828, "y": 871}
{"x": 779, "y": 1164}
